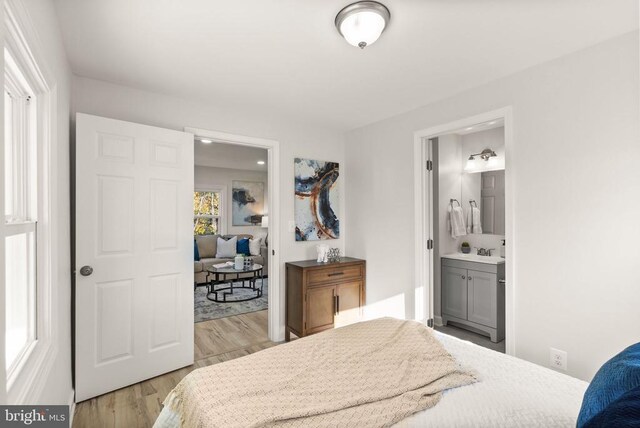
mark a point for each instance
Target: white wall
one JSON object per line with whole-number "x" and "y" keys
{"x": 208, "y": 176}
{"x": 44, "y": 38}
{"x": 576, "y": 179}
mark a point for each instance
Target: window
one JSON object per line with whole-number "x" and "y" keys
{"x": 21, "y": 215}
{"x": 207, "y": 212}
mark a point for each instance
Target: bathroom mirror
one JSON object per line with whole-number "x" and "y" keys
{"x": 486, "y": 191}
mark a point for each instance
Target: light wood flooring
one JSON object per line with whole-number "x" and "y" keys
{"x": 138, "y": 405}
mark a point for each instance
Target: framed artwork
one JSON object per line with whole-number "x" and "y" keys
{"x": 247, "y": 203}
{"x": 316, "y": 199}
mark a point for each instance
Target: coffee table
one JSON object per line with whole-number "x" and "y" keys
{"x": 220, "y": 283}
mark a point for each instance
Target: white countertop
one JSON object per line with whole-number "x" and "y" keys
{"x": 492, "y": 260}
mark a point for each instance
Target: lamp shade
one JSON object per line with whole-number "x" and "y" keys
{"x": 265, "y": 221}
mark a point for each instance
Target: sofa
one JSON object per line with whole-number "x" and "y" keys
{"x": 207, "y": 248}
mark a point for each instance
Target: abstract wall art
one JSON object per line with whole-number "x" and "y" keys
{"x": 248, "y": 201}
{"x": 316, "y": 200}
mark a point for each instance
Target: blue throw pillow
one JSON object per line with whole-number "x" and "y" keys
{"x": 613, "y": 397}
{"x": 242, "y": 247}
{"x": 196, "y": 252}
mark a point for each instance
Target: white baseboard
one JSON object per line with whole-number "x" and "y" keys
{"x": 437, "y": 320}
{"x": 72, "y": 406}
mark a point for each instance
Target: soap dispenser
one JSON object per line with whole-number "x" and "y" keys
{"x": 502, "y": 248}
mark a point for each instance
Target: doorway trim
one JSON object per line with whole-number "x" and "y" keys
{"x": 276, "y": 293}
{"x": 423, "y": 217}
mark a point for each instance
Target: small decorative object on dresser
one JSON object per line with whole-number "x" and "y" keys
{"x": 465, "y": 248}
{"x": 323, "y": 251}
{"x": 320, "y": 296}
{"x": 334, "y": 255}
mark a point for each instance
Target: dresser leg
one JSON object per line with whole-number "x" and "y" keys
{"x": 287, "y": 334}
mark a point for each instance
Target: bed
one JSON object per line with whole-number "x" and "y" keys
{"x": 473, "y": 386}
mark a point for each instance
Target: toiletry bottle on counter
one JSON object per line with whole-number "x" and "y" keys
{"x": 502, "y": 248}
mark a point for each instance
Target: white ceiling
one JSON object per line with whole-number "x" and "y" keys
{"x": 232, "y": 156}
{"x": 286, "y": 55}
{"x": 485, "y": 126}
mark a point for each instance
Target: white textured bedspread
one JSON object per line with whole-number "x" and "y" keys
{"x": 511, "y": 393}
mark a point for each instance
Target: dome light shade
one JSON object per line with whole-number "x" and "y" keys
{"x": 361, "y": 23}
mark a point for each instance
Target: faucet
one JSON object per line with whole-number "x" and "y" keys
{"x": 485, "y": 251}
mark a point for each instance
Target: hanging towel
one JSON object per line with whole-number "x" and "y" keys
{"x": 474, "y": 223}
{"x": 456, "y": 219}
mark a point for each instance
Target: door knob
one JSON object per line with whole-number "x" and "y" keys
{"x": 86, "y": 270}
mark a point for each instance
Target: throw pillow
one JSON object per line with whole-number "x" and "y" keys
{"x": 196, "y": 253}
{"x": 254, "y": 246}
{"x": 615, "y": 385}
{"x": 227, "y": 249}
{"x": 243, "y": 246}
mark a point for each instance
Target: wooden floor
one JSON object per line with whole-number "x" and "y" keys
{"x": 138, "y": 405}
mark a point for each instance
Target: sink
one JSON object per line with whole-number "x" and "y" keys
{"x": 492, "y": 260}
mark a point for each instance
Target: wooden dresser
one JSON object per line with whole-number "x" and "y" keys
{"x": 321, "y": 296}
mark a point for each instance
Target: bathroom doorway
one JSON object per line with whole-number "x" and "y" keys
{"x": 462, "y": 218}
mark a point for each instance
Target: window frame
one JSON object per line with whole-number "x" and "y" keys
{"x": 221, "y": 217}
{"x": 27, "y": 381}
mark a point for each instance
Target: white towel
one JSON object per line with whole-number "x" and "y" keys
{"x": 456, "y": 219}
{"x": 474, "y": 223}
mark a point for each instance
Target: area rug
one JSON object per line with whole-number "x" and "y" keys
{"x": 206, "y": 310}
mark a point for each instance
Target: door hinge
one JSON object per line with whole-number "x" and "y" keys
{"x": 430, "y": 322}
{"x": 429, "y": 244}
{"x": 273, "y": 252}
{"x": 429, "y": 165}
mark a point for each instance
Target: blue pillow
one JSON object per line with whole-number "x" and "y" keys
{"x": 242, "y": 247}
{"x": 196, "y": 252}
{"x": 613, "y": 397}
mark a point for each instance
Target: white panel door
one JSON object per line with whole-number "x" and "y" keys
{"x": 134, "y": 311}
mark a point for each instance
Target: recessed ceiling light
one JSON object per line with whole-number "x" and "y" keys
{"x": 260, "y": 162}
{"x": 206, "y": 141}
{"x": 469, "y": 128}
{"x": 492, "y": 123}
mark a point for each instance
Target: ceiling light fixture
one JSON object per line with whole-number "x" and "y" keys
{"x": 260, "y": 162}
{"x": 206, "y": 141}
{"x": 361, "y": 23}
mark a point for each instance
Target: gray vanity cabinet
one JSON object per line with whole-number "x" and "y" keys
{"x": 473, "y": 296}
{"x": 454, "y": 300}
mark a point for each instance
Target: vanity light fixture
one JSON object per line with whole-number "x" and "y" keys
{"x": 484, "y": 155}
{"x": 361, "y": 23}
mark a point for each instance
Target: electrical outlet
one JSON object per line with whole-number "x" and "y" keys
{"x": 558, "y": 359}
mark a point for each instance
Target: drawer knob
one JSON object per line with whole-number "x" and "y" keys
{"x": 462, "y": 276}
{"x": 470, "y": 278}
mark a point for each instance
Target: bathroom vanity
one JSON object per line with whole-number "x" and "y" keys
{"x": 473, "y": 293}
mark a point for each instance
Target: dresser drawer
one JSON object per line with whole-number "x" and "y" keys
{"x": 337, "y": 273}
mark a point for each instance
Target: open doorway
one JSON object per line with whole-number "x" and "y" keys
{"x": 231, "y": 230}
{"x": 236, "y": 279}
{"x": 463, "y": 217}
